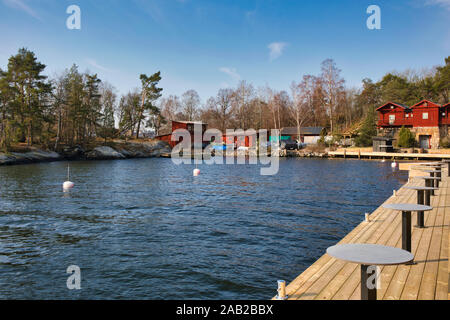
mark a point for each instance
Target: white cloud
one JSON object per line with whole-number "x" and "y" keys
{"x": 21, "y": 5}
{"x": 442, "y": 3}
{"x": 276, "y": 49}
{"x": 231, "y": 72}
{"x": 94, "y": 63}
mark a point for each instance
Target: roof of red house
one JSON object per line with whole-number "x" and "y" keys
{"x": 428, "y": 102}
{"x": 446, "y": 105}
{"x": 404, "y": 106}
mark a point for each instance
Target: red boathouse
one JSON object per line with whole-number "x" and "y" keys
{"x": 428, "y": 120}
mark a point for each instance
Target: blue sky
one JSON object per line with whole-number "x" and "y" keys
{"x": 208, "y": 44}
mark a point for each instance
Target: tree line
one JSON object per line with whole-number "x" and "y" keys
{"x": 73, "y": 108}
{"x": 76, "y": 108}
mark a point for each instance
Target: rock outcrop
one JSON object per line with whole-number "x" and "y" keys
{"x": 104, "y": 153}
{"x": 28, "y": 157}
{"x": 117, "y": 150}
{"x": 143, "y": 150}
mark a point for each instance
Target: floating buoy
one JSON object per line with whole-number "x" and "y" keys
{"x": 196, "y": 172}
{"x": 384, "y": 160}
{"x": 68, "y": 184}
{"x": 394, "y": 164}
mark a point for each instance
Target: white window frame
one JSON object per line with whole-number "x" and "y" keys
{"x": 391, "y": 118}
{"x": 425, "y": 116}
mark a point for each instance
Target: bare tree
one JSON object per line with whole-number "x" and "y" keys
{"x": 170, "y": 107}
{"x": 190, "y": 103}
{"x": 333, "y": 87}
{"x": 302, "y": 103}
{"x": 243, "y": 95}
{"x": 223, "y": 106}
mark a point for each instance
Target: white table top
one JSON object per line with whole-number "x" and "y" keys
{"x": 421, "y": 188}
{"x": 370, "y": 254}
{"x": 407, "y": 207}
{"x": 429, "y": 178}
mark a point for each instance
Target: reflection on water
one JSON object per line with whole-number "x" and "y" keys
{"x": 148, "y": 229}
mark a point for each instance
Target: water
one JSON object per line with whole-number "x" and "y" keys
{"x": 147, "y": 229}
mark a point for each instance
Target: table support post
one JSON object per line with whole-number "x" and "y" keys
{"x": 448, "y": 167}
{"x": 406, "y": 230}
{"x": 366, "y": 292}
{"x": 427, "y": 197}
{"x": 420, "y": 200}
{"x": 429, "y": 183}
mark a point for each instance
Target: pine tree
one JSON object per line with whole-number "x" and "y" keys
{"x": 368, "y": 130}
{"x": 406, "y": 138}
{"x": 149, "y": 94}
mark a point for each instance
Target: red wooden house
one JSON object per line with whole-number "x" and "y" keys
{"x": 239, "y": 140}
{"x": 445, "y": 114}
{"x": 426, "y": 114}
{"x": 394, "y": 115}
{"x": 428, "y": 120}
{"x": 187, "y": 125}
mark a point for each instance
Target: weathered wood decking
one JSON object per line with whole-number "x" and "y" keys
{"x": 387, "y": 155}
{"x": 329, "y": 278}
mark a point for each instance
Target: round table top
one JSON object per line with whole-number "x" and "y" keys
{"x": 429, "y": 178}
{"x": 421, "y": 188}
{"x": 370, "y": 254}
{"x": 430, "y": 171}
{"x": 407, "y": 207}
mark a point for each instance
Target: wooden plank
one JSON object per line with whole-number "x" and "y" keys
{"x": 442, "y": 277}
{"x": 389, "y": 155}
{"x": 351, "y": 288}
{"x": 305, "y": 280}
{"x": 412, "y": 285}
{"x": 428, "y": 283}
{"x": 399, "y": 278}
{"x": 293, "y": 288}
{"x": 329, "y": 278}
{"x": 328, "y": 290}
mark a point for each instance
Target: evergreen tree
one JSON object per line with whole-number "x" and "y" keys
{"x": 406, "y": 138}
{"x": 149, "y": 94}
{"x": 31, "y": 93}
{"x": 368, "y": 130}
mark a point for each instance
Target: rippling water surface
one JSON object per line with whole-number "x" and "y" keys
{"x": 147, "y": 229}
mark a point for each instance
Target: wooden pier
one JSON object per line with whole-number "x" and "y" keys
{"x": 428, "y": 279}
{"x": 387, "y": 155}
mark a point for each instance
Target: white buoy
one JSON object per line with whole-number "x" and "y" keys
{"x": 394, "y": 164}
{"x": 384, "y": 160}
{"x": 196, "y": 172}
{"x": 68, "y": 184}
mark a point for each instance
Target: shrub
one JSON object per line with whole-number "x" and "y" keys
{"x": 445, "y": 142}
{"x": 406, "y": 138}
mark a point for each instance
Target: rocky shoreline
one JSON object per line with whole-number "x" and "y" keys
{"x": 303, "y": 154}
{"x": 113, "y": 151}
